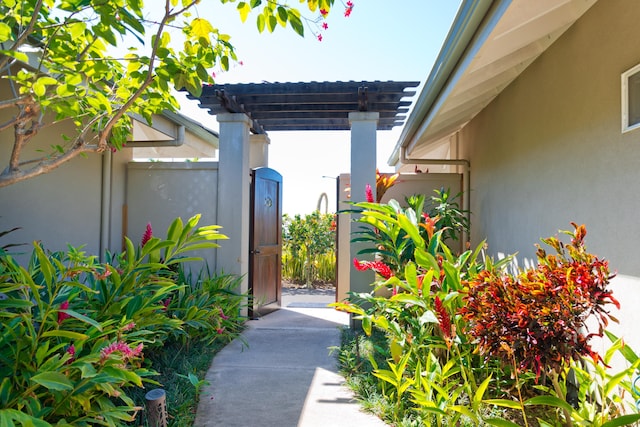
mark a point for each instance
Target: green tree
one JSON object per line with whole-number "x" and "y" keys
{"x": 58, "y": 57}
{"x": 308, "y": 243}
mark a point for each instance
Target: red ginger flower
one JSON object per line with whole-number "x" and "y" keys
{"x": 369, "y": 193}
{"x": 444, "y": 320}
{"x": 378, "y": 266}
{"x": 62, "y": 316}
{"x": 148, "y": 234}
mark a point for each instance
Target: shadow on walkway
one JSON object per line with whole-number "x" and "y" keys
{"x": 279, "y": 372}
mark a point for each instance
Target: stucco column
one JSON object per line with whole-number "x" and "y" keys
{"x": 233, "y": 196}
{"x": 363, "y": 172}
{"x": 259, "y": 152}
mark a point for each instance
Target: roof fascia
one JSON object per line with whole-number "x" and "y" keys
{"x": 470, "y": 29}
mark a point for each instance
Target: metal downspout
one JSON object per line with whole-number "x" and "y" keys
{"x": 466, "y": 171}
{"x": 105, "y": 203}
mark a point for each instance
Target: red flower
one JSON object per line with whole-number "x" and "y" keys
{"x": 444, "y": 320}
{"x": 324, "y": 12}
{"x": 61, "y": 315}
{"x": 325, "y": 25}
{"x": 148, "y": 234}
{"x": 71, "y": 350}
{"x": 378, "y": 266}
{"x": 348, "y": 9}
{"x": 369, "y": 193}
{"x": 223, "y": 316}
{"x": 166, "y": 303}
{"x": 319, "y": 36}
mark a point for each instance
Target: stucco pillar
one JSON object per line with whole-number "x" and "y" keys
{"x": 259, "y": 151}
{"x": 233, "y": 196}
{"x": 363, "y": 172}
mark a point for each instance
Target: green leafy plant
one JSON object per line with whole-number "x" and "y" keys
{"x": 308, "y": 253}
{"x": 469, "y": 343}
{"x": 73, "y": 330}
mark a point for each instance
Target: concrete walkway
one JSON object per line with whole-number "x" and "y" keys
{"x": 280, "y": 374}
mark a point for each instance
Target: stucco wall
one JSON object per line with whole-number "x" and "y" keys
{"x": 549, "y": 149}
{"x": 61, "y": 207}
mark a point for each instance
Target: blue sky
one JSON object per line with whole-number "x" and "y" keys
{"x": 381, "y": 40}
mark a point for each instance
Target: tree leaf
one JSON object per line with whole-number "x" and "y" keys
{"x": 623, "y": 420}
{"x": 5, "y": 32}
{"x": 65, "y": 334}
{"x": 244, "y": 10}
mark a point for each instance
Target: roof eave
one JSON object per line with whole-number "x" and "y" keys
{"x": 459, "y": 41}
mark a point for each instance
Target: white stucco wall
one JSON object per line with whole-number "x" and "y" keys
{"x": 549, "y": 150}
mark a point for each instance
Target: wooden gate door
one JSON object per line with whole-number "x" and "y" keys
{"x": 265, "y": 246}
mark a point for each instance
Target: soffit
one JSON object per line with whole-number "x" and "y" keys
{"x": 525, "y": 30}
{"x": 309, "y": 106}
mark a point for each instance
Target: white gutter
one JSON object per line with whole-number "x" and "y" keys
{"x": 456, "y": 53}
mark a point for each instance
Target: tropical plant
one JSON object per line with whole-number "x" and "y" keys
{"x": 469, "y": 343}
{"x": 65, "y": 62}
{"x": 73, "y": 330}
{"x": 309, "y": 248}
{"x": 450, "y": 216}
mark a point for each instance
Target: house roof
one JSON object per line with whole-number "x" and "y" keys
{"x": 489, "y": 44}
{"x": 309, "y": 106}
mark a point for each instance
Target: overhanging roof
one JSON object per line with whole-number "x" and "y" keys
{"x": 489, "y": 45}
{"x": 309, "y": 106}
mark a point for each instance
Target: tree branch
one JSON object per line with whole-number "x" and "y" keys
{"x": 8, "y": 177}
{"x": 23, "y": 36}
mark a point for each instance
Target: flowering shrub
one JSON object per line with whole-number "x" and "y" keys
{"x": 539, "y": 316}
{"x": 469, "y": 344}
{"x": 74, "y": 331}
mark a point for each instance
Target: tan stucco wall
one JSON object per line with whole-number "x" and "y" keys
{"x": 549, "y": 149}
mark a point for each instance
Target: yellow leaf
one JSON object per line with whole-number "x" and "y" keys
{"x": 244, "y": 10}
{"x": 201, "y": 28}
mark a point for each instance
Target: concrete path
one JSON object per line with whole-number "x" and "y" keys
{"x": 280, "y": 374}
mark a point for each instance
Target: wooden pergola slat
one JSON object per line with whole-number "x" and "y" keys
{"x": 309, "y": 106}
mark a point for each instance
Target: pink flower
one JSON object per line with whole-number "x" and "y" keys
{"x": 324, "y": 12}
{"x": 223, "y": 316}
{"x": 378, "y": 266}
{"x": 104, "y": 275}
{"x": 71, "y": 350}
{"x": 61, "y": 315}
{"x": 325, "y": 26}
{"x": 319, "y": 36}
{"x": 348, "y": 9}
{"x": 128, "y": 326}
{"x": 148, "y": 234}
{"x": 166, "y": 303}
{"x": 220, "y": 331}
{"x": 369, "y": 193}
{"x": 122, "y": 348}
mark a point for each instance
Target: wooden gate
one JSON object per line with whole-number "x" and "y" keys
{"x": 265, "y": 241}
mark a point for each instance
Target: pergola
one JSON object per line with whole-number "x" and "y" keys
{"x": 246, "y": 112}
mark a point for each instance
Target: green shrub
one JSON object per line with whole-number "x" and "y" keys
{"x": 308, "y": 252}
{"x": 74, "y": 330}
{"x": 468, "y": 342}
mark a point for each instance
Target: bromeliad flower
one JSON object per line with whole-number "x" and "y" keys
{"x": 378, "y": 266}
{"x": 148, "y": 234}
